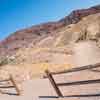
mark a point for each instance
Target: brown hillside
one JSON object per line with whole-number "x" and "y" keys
{"x": 34, "y": 34}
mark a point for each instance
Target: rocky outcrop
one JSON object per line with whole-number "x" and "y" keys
{"x": 76, "y": 15}
{"x": 86, "y": 29}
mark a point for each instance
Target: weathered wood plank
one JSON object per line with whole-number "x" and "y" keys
{"x": 80, "y": 82}
{"x": 7, "y": 86}
{"x": 53, "y": 83}
{"x": 73, "y": 96}
{"x": 76, "y": 69}
{"x": 15, "y": 85}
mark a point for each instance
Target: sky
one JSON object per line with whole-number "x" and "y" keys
{"x": 19, "y": 14}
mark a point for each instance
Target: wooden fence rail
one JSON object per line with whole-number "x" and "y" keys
{"x": 76, "y": 69}
{"x": 73, "y": 96}
{"x": 79, "y": 82}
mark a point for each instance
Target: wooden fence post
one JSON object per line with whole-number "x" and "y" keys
{"x": 49, "y": 75}
{"x": 15, "y": 85}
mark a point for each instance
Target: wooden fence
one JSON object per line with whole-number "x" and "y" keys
{"x": 56, "y": 86}
{"x": 10, "y": 84}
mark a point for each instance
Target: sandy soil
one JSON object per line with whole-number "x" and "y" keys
{"x": 86, "y": 53}
{"x": 41, "y": 87}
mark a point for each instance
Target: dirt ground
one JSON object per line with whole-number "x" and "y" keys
{"x": 86, "y": 53}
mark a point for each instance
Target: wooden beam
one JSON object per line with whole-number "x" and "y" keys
{"x": 76, "y": 69}
{"x": 57, "y": 90}
{"x": 7, "y": 86}
{"x": 80, "y": 82}
{"x": 74, "y": 96}
{"x": 15, "y": 85}
{"x": 4, "y": 80}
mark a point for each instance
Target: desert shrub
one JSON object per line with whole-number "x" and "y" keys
{"x": 3, "y": 61}
{"x": 12, "y": 60}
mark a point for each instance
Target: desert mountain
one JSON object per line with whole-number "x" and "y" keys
{"x": 73, "y": 40}
{"x": 47, "y": 49}
{"x": 32, "y": 35}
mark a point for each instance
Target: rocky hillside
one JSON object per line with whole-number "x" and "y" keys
{"x": 86, "y": 29}
{"x": 71, "y": 41}
{"x": 32, "y": 35}
{"x": 60, "y": 45}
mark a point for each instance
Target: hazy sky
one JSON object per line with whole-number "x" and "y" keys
{"x": 18, "y": 14}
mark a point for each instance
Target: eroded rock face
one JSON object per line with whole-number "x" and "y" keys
{"x": 87, "y": 29}
{"x": 93, "y": 31}
{"x": 77, "y": 15}
{"x": 34, "y": 34}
